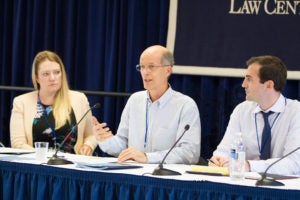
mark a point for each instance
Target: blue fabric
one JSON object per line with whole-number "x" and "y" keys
{"x": 99, "y": 42}
{"x": 27, "y": 181}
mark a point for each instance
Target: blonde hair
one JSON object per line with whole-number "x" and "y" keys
{"x": 62, "y": 103}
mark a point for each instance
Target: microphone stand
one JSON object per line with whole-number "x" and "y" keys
{"x": 55, "y": 160}
{"x": 271, "y": 182}
{"x": 160, "y": 170}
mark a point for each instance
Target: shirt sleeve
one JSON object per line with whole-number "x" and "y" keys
{"x": 114, "y": 145}
{"x": 223, "y": 148}
{"x": 17, "y": 126}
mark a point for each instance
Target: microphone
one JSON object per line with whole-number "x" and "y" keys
{"x": 271, "y": 182}
{"x": 55, "y": 160}
{"x": 160, "y": 170}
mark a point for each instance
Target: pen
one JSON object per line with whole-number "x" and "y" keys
{"x": 212, "y": 162}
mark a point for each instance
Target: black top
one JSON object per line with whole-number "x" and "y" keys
{"x": 43, "y": 129}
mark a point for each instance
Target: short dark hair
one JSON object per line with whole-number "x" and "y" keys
{"x": 272, "y": 68}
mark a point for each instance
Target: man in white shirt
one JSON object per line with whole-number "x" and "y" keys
{"x": 264, "y": 82}
{"x": 155, "y": 118}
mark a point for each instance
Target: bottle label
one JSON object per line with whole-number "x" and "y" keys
{"x": 233, "y": 154}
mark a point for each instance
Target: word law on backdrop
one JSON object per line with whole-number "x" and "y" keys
{"x": 269, "y": 7}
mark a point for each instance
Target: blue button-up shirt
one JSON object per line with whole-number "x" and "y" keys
{"x": 285, "y": 132}
{"x": 153, "y": 127}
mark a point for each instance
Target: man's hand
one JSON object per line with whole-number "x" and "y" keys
{"x": 132, "y": 154}
{"x": 100, "y": 131}
{"x": 224, "y": 162}
{"x": 219, "y": 161}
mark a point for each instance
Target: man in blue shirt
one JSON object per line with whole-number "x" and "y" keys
{"x": 155, "y": 118}
{"x": 264, "y": 82}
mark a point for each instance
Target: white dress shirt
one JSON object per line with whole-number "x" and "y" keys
{"x": 166, "y": 119}
{"x": 285, "y": 133}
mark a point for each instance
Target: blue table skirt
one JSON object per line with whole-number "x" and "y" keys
{"x": 29, "y": 181}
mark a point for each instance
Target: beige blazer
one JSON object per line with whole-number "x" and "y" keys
{"x": 24, "y": 110}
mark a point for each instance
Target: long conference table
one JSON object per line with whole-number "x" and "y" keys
{"x": 22, "y": 177}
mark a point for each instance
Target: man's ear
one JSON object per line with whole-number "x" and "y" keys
{"x": 169, "y": 70}
{"x": 270, "y": 84}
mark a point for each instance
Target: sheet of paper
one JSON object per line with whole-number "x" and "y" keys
{"x": 14, "y": 151}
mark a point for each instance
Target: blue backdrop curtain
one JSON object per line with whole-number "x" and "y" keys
{"x": 100, "y": 42}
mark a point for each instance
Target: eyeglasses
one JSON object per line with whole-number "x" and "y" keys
{"x": 149, "y": 67}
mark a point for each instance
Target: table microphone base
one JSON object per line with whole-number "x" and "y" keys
{"x": 160, "y": 171}
{"x": 268, "y": 182}
{"x": 58, "y": 161}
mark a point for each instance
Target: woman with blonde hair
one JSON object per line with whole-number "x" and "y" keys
{"x": 51, "y": 110}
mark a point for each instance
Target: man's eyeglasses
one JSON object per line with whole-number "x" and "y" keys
{"x": 149, "y": 67}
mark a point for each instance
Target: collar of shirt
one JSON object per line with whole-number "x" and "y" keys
{"x": 163, "y": 99}
{"x": 276, "y": 108}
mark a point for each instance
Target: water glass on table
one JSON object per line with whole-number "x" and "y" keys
{"x": 41, "y": 149}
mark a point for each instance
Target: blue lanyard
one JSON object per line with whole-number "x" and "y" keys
{"x": 51, "y": 127}
{"x": 146, "y": 134}
{"x": 47, "y": 122}
{"x": 260, "y": 148}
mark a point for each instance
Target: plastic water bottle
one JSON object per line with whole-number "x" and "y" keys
{"x": 237, "y": 159}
